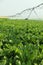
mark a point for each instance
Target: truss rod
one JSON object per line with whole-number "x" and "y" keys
{"x": 36, "y": 14}
{"x": 29, "y": 14}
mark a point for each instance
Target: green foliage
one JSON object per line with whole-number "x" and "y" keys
{"x": 21, "y": 42}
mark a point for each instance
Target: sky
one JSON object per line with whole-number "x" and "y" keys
{"x": 11, "y": 7}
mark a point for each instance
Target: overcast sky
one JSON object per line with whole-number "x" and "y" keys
{"x": 11, "y": 7}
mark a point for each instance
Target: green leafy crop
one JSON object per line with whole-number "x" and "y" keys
{"x": 21, "y": 42}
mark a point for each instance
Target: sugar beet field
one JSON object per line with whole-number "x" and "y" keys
{"x": 21, "y": 42}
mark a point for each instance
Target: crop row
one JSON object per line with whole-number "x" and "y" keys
{"x": 21, "y": 42}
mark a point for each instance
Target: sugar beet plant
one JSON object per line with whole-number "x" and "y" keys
{"x": 21, "y": 42}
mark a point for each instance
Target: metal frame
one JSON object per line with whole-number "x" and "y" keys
{"x": 29, "y": 9}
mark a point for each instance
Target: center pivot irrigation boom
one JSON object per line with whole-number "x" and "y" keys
{"x": 31, "y": 10}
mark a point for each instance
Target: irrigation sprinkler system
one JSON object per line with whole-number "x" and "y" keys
{"x": 29, "y": 9}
